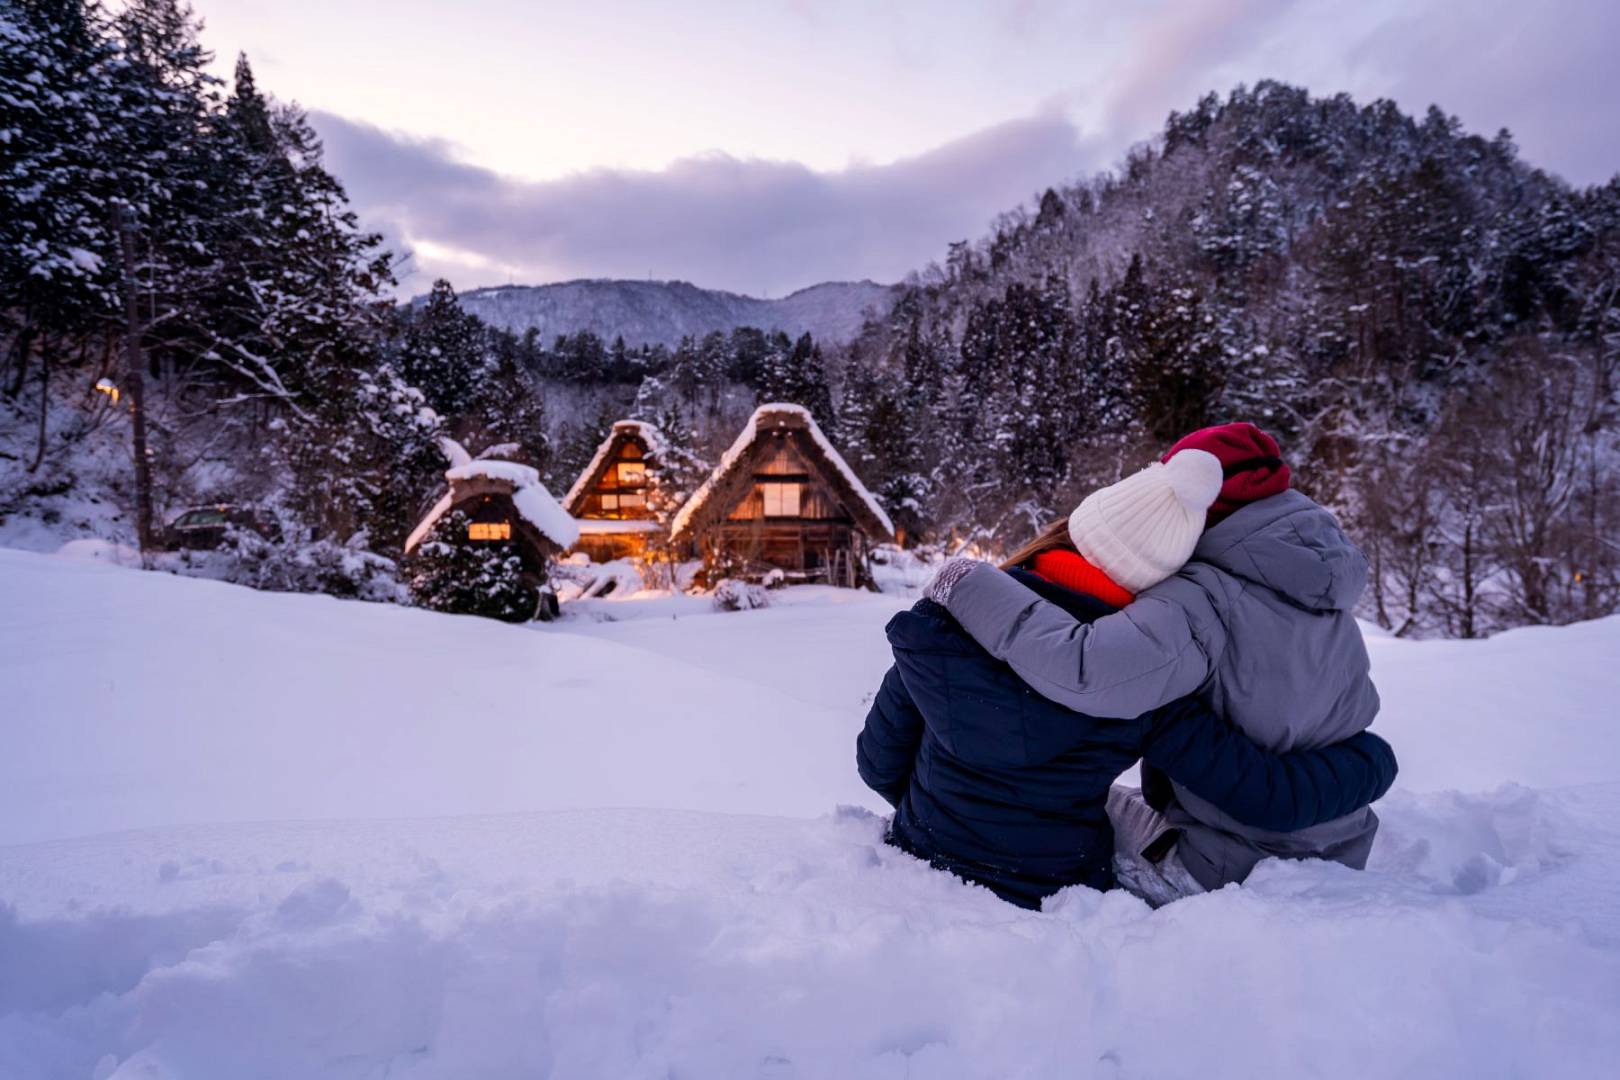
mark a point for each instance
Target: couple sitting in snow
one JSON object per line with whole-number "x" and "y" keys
{"x": 1195, "y": 616}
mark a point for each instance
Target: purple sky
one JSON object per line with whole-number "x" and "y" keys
{"x": 762, "y": 147}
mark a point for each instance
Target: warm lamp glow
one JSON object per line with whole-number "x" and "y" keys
{"x": 108, "y": 387}
{"x": 489, "y": 530}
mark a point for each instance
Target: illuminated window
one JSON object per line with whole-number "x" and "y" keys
{"x": 610, "y": 502}
{"x": 489, "y": 530}
{"x": 632, "y": 474}
{"x": 781, "y": 500}
{"x": 632, "y": 499}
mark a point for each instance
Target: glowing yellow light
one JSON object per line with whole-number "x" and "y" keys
{"x": 108, "y": 387}
{"x": 489, "y": 530}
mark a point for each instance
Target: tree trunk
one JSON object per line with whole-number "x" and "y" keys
{"x": 134, "y": 374}
{"x": 1468, "y": 579}
{"x": 20, "y": 350}
{"x": 44, "y": 400}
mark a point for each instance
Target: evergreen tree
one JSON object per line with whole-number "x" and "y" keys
{"x": 443, "y": 352}
{"x": 453, "y": 574}
{"x": 797, "y": 375}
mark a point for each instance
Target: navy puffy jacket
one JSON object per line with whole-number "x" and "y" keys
{"x": 999, "y": 785}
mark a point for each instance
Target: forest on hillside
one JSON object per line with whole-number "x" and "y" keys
{"x": 1428, "y": 323}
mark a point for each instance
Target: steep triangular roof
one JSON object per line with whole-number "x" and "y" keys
{"x": 862, "y": 506}
{"x": 652, "y": 445}
{"x": 519, "y": 482}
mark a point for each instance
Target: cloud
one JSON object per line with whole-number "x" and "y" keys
{"x": 749, "y": 225}
{"x": 1546, "y": 72}
{"x": 761, "y": 225}
{"x": 1174, "y": 54}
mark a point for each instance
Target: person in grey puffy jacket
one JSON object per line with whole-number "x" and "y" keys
{"x": 1258, "y": 624}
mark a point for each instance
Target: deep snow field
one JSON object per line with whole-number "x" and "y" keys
{"x": 253, "y": 835}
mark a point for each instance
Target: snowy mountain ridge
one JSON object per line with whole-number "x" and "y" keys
{"x": 662, "y": 312}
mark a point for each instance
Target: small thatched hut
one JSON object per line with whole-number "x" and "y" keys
{"x": 612, "y": 499}
{"x": 783, "y": 499}
{"x": 505, "y": 503}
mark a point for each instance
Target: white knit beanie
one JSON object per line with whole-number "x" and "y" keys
{"x": 1144, "y": 528}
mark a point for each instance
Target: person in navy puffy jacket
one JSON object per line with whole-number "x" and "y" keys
{"x": 1000, "y": 786}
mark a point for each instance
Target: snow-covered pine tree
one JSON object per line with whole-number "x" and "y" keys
{"x": 58, "y": 254}
{"x": 443, "y": 352}
{"x": 797, "y": 375}
{"x": 453, "y": 574}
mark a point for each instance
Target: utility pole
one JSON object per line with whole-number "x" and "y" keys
{"x": 135, "y": 383}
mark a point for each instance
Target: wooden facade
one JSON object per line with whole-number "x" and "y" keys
{"x": 783, "y": 500}
{"x": 612, "y": 499}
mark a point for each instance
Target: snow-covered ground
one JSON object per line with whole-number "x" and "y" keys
{"x": 256, "y": 835}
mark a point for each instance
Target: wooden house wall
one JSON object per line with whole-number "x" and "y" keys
{"x": 614, "y": 494}
{"x": 814, "y": 543}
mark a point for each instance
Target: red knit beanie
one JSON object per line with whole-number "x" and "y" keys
{"x": 1249, "y": 458}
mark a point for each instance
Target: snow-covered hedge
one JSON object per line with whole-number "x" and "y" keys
{"x": 731, "y": 594}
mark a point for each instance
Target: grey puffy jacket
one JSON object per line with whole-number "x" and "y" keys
{"x": 1258, "y": 624}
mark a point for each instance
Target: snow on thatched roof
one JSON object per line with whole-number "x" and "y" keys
{"x": 651, "y": 438}
{"x": 530, "y": 498}
{"x": 779, "y": 415}
{"x": 611, "y": 526}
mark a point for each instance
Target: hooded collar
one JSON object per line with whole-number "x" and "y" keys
{"x": 1291, "y": 545}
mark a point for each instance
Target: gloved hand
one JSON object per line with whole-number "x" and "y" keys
{"x": 946, "y": 577}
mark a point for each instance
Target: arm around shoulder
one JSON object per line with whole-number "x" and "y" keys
{"x": 1122, "y": 665}
{"x": 1210, "y": 757}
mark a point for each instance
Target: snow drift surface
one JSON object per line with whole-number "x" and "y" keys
{"x": 483, "y": 910}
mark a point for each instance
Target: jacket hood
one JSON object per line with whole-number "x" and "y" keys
{"x": 1292, "y": 546}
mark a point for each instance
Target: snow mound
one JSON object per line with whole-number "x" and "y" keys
{"x": 385, "y": 842}
{"x": 647, "y": 943}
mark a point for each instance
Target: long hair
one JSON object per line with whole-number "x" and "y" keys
{"x": 1055, "y": 537}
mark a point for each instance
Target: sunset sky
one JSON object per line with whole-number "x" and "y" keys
{"x": 762, "y": 147}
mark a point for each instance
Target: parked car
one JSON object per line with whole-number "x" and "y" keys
{"x": 203, "y": 527}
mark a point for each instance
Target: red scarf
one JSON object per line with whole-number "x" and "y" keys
{"x": 1071, "y": 570}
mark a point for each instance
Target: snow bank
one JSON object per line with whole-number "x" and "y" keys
{"x": 609, "y": 526}
{"x": 136, "y": 700}
{"x": 444, "y": 880}
{"x": 658, "y": 943}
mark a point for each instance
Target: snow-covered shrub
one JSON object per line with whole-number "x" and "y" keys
{"x": 731, "y": 594}
{"x": 904, "y": 571}
{"x": 453, "y": 574}
{"x": 293, "y": 561}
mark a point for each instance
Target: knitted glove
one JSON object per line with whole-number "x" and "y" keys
{"x": 945, "y": 579}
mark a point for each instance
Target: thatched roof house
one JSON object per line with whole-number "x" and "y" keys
{"x": 612, "y": 500}
{"x": 783, "y": 499}
{"x": 505, "y": 502}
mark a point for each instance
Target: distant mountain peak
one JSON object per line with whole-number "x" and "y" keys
{"x": 663, "y": 312}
